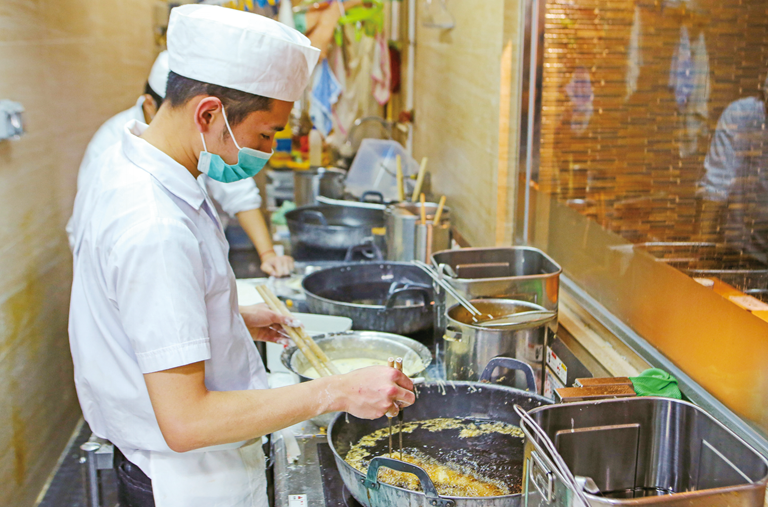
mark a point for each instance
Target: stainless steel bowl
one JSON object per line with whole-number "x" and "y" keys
{"x": 354, "y": 344}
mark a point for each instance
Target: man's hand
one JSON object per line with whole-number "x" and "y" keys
{"x": 369, "y": 393}
{"x": 277, "y": 265}
{"x": 265, "y": 325}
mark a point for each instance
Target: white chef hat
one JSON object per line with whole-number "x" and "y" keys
{"x": 158, "y": 76}
{"x": 240, "y": 50}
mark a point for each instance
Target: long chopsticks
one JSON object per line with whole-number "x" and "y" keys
{"x": 419, "y": 180}
{"x": 439, "y": 212}
{"x": 450, "y": 290}
{"x": 400, "y": 180}
{"x": 304, "y": 342}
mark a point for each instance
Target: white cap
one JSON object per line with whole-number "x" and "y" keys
{"x": 240, "y": 50}
{"x": 158, "y": 76}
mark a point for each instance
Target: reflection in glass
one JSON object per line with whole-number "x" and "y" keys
{"x": 653, "y": 124}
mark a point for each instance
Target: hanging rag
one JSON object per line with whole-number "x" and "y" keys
{"x": 656, "y": 382}
{"x": 325, "y": 93}
{"x": 381, "y": 73}
{"x": 681, "y": 70}
{"x": 697, "y": 109}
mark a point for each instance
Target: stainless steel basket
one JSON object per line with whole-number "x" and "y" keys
{"x": 638, "y": 451}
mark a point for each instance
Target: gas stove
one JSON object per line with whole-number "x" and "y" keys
{"x": 313, "y": 479}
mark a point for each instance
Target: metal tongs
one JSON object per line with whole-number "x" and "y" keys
{"x": 397, "y": 364}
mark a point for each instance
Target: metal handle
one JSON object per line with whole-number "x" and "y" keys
{"x": 542, "y": 477}
{"x": 371, "y": 481}
{"x": 369, "y": 251}
{"x": 510, "y": 364}
{"x": 408, "y": 291}
{"x": 452, "y": 334}
{"x": 312, "y": 213}
{"x": 372, "y": 193}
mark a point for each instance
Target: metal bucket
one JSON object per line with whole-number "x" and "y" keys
{"x": 311, "y": 183}
{"x": 641, "y": 451}
{"x": 408, "y": 240}
{"x": 469, "y": 346}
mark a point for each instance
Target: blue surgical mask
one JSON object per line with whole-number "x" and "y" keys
{"x": 249, "y": 161}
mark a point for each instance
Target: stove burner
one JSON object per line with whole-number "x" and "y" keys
{"x": 335, "y": 492}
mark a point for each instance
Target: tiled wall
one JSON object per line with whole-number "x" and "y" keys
{"x": 72, "y": 64}
{"x": 463, "y": 78}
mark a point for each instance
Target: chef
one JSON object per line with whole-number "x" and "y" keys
{"x": 238, "y": 199}
{"x": 165, "y": 367}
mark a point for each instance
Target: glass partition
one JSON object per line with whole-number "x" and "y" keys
{"x": 645, "y": 166}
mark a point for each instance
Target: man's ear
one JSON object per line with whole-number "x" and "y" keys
{"x": 206, "y": 112}
{"x": 149, "y": 107}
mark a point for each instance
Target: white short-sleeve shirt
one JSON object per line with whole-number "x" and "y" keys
{"x": 232, "y": 198}
{"x": 152, "y": 290}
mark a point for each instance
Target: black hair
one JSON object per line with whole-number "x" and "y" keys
{"x": 149, "y": 91}
{"x": 238, "y": 104}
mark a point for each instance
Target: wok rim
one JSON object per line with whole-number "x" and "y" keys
{"x": 380, "y": 308}
{"x": 359, "y": 475}
{"x": 291, "y": 351}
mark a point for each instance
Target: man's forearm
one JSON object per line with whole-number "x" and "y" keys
{"x": 191, "y": 417}
{"x": 254, "y": 225}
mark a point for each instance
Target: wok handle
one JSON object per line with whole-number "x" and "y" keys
{"x": 411, "y": 291}
{"x": 371, "y": 480}
{"x": 372, "y": 193}
{"x": 510, "y": 364}
{"x": 368, "y": 250}
{"x": 302, "y": 218}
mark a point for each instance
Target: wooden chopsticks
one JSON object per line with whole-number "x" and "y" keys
{"x": 304, "y": 342}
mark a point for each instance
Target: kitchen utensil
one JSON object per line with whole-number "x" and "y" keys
{"x": 350, "y": 204}
{"x": 400, "y": 413}
{"x": 419, "y": 179}
{"x": 402, "y": 221}
{"x": 365, "y": 344}
{"x": 382, "y": 296}
{"x": 400, "y": 181}
{"x": 306, "y": 344}
{"x": 331, "y": 227}
{"x": 357, "y": 344}
{"x": 439, "y": 212}
{"x": 522, "y": 273}
{"x": 390, "y": 364}
{"x": 468, "y": 345}
{"x": 472, "y": 400}
{"x": 310, "y": 183}
{"x": 423, "y": 209}
{"x": 634, "y": 448}
{"x": 436, "y": 278}
{"x": 516, "y": 318}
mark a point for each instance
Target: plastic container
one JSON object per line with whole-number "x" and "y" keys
{"x": 375, "y": 168}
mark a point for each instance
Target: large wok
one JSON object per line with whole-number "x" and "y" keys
{"x": 393, "y": 297}
{"x": 332, "y": 227}
{"x": 476, "y": 400}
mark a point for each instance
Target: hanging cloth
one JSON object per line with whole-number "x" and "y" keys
{"x": 380, "y": 71}
{"x": 325, "y": 92}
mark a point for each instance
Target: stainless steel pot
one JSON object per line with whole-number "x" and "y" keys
{"x": 408, "y": 240}
{"x": 354, "y": 344}
{"x": 311, "y": 183}
{"x": 456, "y": 399}
{"x": 391, "y": 297}
{"x": 523, "y": 273}
{"x": 332, "y": 227}
{"x": 469, "y": 346}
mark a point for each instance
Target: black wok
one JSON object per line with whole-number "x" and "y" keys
{"x": 392, "y": 297}
{"x": 497, "y": 455}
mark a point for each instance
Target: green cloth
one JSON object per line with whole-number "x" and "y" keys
{"x": 656, "y": 382}
{"x": 300, "y": 21}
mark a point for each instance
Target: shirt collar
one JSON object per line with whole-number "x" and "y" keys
{"x": 172, "y": 175}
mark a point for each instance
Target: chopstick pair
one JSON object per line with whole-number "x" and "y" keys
{"x": 304, "y": 342}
